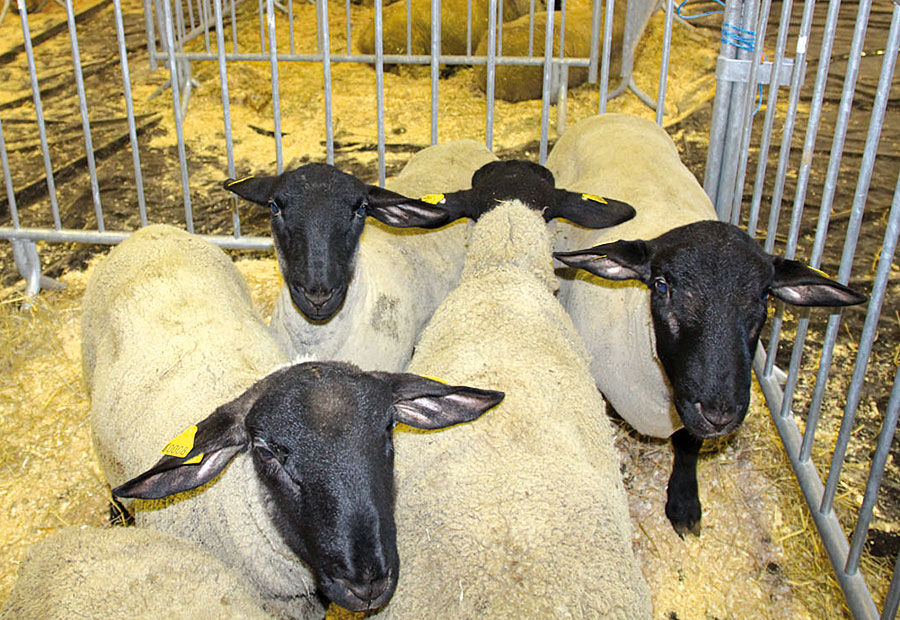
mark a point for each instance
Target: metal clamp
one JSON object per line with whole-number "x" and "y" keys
{"x": 736, "y": 70}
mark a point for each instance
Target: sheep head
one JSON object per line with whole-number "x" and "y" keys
{"x": 709, "y": 282}
{"x": 320, "y": 436}
{"x": 317, "y": 218}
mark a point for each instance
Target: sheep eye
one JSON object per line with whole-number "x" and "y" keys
{"x": 272, "y": 451}
{"x": 360, "y": 210}
{"x": 276, "y": 210}
{"x": 661, "y": 287}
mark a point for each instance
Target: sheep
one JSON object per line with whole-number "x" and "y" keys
{"x": 521, "y": 514}
{"x": 386, "y": 284}
{"x": 454, "y": 29}
{"x": 519, "y": 82}
{"x": 674, "y": 360}
{"x": 125, "y": 573}
{"x": 171, "y": 342}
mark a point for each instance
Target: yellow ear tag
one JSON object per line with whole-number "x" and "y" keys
{"x": 194, "y": 460}
{"x": 182, "y": 445}
{"x": 233, "y": 183}
{"x": 435, "y": 379}
{"x": 432, "y": 199}
{"x": 821, "y": 273}
{"x": 594, "y": 197}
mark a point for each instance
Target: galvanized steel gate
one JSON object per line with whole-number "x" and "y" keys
{"x": 744, "y": 78}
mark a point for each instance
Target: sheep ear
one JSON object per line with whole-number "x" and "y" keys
{"x": 797, "y": 284}
{"x": 588, "y": 210}
{"x": 254, "y": 189}
{"x": 399, "y": 211}
{"x": 621, "y": 260}
{"x": 429, "y": 404}
{"x": 198, "y": 454}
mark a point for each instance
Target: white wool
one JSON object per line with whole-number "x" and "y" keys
{"x": 521, "y": 513}
{"x": 125, "y": 573}
{"x": 169, "y": 334}
{"x": 634, "y": 160}
{"x": 400, "y": 277}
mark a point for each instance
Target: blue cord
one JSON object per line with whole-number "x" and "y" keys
{"x": 731, "y": 35}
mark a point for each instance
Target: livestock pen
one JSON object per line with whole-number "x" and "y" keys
{"x": 115, "y": 114}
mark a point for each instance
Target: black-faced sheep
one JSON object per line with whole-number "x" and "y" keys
{"x": 283, "y": 472}
{"x": 680, "y": 353}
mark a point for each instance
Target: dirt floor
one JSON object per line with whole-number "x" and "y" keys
{"x": 757, "y": 533}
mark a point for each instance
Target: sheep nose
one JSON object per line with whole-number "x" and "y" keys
{"x": 717, "y": 414}
{"x": 367, "y": 591}
{"x": 318, "y": 296}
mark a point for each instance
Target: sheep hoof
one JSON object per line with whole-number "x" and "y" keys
{"x": 684, "y": 516}
{"x": 687, "y": 528}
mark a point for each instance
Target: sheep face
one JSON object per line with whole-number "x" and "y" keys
{"x": 320, "y": 436}
{"x": 709, "y": 283}
{"x": 534, "y": 185}
{"x": 317, "y": 218}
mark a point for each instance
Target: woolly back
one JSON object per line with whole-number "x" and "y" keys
{"x": 511, "y": 236}
{"x": 521, "y": 513}
{"x": 125, "y": 573}
{"x": 631, "y": 159}
{"x": 168, "y": 334}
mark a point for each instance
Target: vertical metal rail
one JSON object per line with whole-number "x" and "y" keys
{"x": 290, "y": 8}
{"x": 435, "y": 65}
{"x": 608, "y": 15}
{"x": 326, "y": 81}
{"x": 491, "y": 75}
{"x": 469, "y": 27}
{"x": 769, "y": 123}
{"x": 39, "y": 112}
{"x": 234, "y": 35}
{"x": 594, "y": 65}
{"x": 149, "y": 29}
{"x": 824, "y": 216}
{"x": 7, "y": 176}
{"x": 545, "y": 89}
{"x": 379, "y": 87}
{"x": 349, "y": 28}
{"x": 276, "y": 99}
{"x": 226, "y": 113}
{"x": 176, "y": 110}
{"x": 721, "y": 104}
{"x": 531, "y": 29}
{"x": 85, "y": 122}
{"x": 747, "y": 113}
{"x": 664, "y": 64}
{"x": 563, "y": 70}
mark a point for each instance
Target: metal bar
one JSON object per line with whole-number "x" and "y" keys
{"x": 7, "y": 176}
{"x": 664, "y": 64}
{"x": 531, "y": 28}
{"x": 545, "y": 90}
{"x": 151, "y": 34}
{"x": 290, "y": 8}
{"x": 766, "y": 136}
{"x": 113, "y": 237}
{"x": 39, "y": 111}
{"x": 226, "y": 113}
{"x": 85, "y": 122}
{"x": 379, "y": 88}
{"x": 190, "y": 6}
{"x": 276, "y": 99}
{"x": 721, "y": 106}
{"x": 447, "y": 59}
{"x": 608, "y": 16}
{"x": 594, "y": 66}
{"x": 408, "y": 27}
{"x": 176, "y": 109}
{"x": 865, "y": 173}
{"x": 747, "y": 112}
{"x": 500, "y": 27}
{"x": 205, "y": 8}
{"x": 562, "y": 73}
{"x": 886, "y": 437}
{"x": 469, "y": 27}
{"x": 435, "y": 67}
{"x": 262, "y": 28}
{"x": 854, "y": 586}
{"x": 349, "y": 26}
{"x": 234, "y": 37}
{"x": 491, "y": 75}
{"x": 326, "y": 71}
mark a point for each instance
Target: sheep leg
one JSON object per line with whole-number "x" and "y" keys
{"x": 683, "y": 504}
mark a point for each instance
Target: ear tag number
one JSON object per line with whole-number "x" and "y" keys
{"x": 433, "y": 199}
{"x": 195, "y": 460}
{"x": 181, "y": 445}
{"x": 594, "y": 197}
